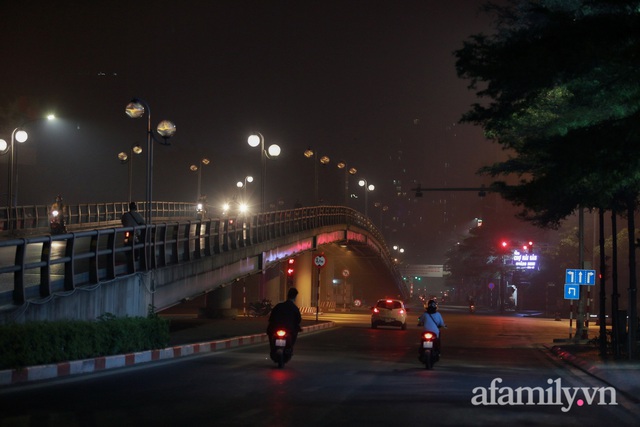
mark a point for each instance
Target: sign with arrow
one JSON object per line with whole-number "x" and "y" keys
{"x": 576, "y": 276}
{"x": 571, "y": 291}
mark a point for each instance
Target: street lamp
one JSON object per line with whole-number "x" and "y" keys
{"x": 383, "y": 209}
{"x": 309, "y": 153}
{"x": 19, "y": 135}
{"x": 347, "y": 171}
{"x": 128, "y": 158}
{"x": 196, "y": 168}
{"x": 243, "y": 185}
{"x": 274, "y": 151}
{"x": 367, "y": 188}
{"x": 166, "y": 129}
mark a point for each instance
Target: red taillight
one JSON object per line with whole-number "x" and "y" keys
{"x": 401, "y": 311}
{"x": 429, "y": 336}
{"x": 281, "y": 333}
{"x": 375, "y": 310}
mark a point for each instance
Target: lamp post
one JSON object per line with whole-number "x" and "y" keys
{"x": 243, "y": 185}
{"x": 321, "y": 160}
{"x": 274, "y": 151}
{"x": 19, "y": 135}
{"x": 347, "y": 171}
{"x": 166, "y": 129}
{"x": 196, "y": 168}
{"x": 128, "y": 158}
{"x": 383, "y": 209}
{"x": 367, "y": 188}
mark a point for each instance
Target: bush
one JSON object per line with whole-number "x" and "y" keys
{"x": 38, "y": 343}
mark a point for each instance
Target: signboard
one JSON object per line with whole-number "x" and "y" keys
{"x": 319, "y": 261}
{"x": 422, "y": 270}
{"x": 525, "y": 261}
{"x": 576, "y": 276}
{"x": 571, "y": 291}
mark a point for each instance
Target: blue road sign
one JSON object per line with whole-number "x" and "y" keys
{"x": 576, "y": 276}
{"x": 571, "y": 291}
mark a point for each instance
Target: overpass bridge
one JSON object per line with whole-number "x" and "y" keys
{"x": 89, "y": 272}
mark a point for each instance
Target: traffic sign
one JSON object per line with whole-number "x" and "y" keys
{"x": 571, "y": 291}
{"x": 575, "y": 276}
{"x": 319, "y": 261}
{"x": 345, "y": 273}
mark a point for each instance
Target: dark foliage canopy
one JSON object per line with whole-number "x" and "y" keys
{"x": 560, "y": 85}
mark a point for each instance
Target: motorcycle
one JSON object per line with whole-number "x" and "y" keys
{"x": 281, "y": 346}
{"x": 56, "y": 222}
{"x": 429, "y": 350}
{"x": 260, "y": 308}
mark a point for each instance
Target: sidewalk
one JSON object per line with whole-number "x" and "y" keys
{"x": 623, "y": 374}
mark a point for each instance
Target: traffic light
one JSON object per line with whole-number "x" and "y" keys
{"x": 504, "y": 246}
{"x": 290, "y": 271}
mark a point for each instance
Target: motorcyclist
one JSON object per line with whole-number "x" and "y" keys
{"x": 133, "y": 217}
{"x": 286, "y": 315}
{"x": 433, "y": 321}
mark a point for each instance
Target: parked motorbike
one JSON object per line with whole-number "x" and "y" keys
{"x": 429, "y": 350}
{"x": 260, "y": 308}
{"x": 281, "y": 346}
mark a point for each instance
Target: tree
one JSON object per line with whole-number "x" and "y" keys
{"x": 561, "y": 80}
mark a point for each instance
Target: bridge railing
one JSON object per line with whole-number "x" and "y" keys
{"x": 25, "y": 220}
{"x": 35, "y": 269}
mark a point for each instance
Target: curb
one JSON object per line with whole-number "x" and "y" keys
{"x": 576, "y": 361}
{"x": 104, "y": 363}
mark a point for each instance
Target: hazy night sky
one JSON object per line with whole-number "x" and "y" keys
{"x": 357, "y": 80}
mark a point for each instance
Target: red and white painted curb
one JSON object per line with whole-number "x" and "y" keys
{"x": 100, "y": 364}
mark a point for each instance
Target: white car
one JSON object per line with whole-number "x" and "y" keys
{"x": 389, "y": 312}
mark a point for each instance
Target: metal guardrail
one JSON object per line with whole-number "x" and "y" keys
{"x": 25, "y": 220}
{"x": 44, "y": 266}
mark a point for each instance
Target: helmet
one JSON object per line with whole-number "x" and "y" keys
{"x": 432, "y": 305}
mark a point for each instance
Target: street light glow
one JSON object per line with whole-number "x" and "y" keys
{"x": 254, "y": 140}
{"x": 21, "y": 136}
{"x": 274, "y": 150}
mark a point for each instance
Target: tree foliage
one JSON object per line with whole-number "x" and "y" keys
{"x": 560, "y": 81}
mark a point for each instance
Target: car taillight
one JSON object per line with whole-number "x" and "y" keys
{"x": 375, "y": 310}
{"x": 401, "y": 311}
{"x": 429, "y": 336}
{"x": 281, "y": 333}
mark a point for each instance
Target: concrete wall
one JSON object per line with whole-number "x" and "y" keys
{"x": 125, "y": 296}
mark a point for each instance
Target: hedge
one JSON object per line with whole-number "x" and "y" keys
{"x": 44, "y": 342}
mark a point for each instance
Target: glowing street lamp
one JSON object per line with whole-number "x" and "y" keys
{"x": 18, "y": 135}
{"x": 273, "y": 151}
{"x": 166, "y": 129}
{"x": 367, "y": 188}
{"x": 196, "y": 168}
{"x": 243, "y": 184}
{"x": 125, "y": 157}
{"x": 321, "y": 160}
{"x": 347, "y": 171}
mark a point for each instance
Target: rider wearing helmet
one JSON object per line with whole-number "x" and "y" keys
{"x": 431, "y": 319}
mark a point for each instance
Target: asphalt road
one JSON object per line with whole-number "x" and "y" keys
{"x": 351, "y": 375}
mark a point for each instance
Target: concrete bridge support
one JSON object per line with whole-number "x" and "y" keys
{"x": 219, "y": 303}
